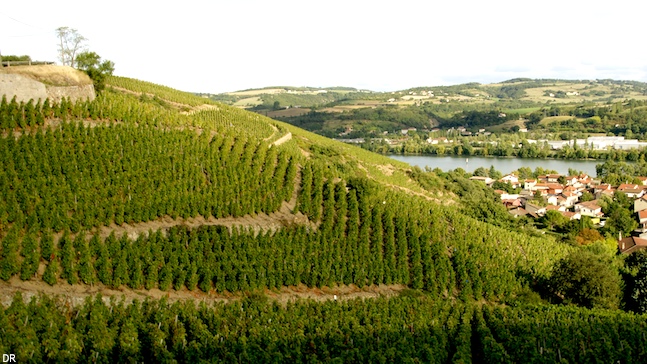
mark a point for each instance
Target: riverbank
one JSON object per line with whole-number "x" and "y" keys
{"x": 502, "y": 164}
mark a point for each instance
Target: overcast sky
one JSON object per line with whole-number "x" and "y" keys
{"x": 219, "y": 46}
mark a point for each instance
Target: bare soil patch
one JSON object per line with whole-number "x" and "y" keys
{"x": 386, "y": 169}
{"x": 257, "y": 223}
{"x": 77, "y": 294}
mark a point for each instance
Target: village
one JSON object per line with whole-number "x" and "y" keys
{"x": 574, "y": 197}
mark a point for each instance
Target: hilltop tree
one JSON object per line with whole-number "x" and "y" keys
{"x": 70, "y": 43}
{"x": 90, "y": 63}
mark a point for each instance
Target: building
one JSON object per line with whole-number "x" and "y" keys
{"x": 536, "y": 210}
{"x": 631, "y": 244}
{"x": 632, "y": 191}
{"x": 589, "y": 208}
{"x": 487, "y": 180}
{"x": 510, "y": 178}
{"x": 640, "y": 204}
{"x": 549, "y": 178}
{"x": 529, "y": 184}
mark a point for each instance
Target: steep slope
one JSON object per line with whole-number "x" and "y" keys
{"x": 150, "y": 189}
{"x": 153, "y": 160}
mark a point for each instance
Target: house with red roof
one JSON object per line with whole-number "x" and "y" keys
{"x": 631, "y": 244}
{"x": 604, "y": 190}
{"x": 569, "y": 198}
{"x": 571, "y": 215}
{"x": 549, "y": 178}
{"x": 631, "y": 190}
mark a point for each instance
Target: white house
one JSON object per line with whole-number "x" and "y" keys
{"x": 487, "y": 180}
{"x": 510, "y": 178}
{"x": 589, "y": 208}
{"x": 640, "y": 204}
{"x": 632, "y": 191}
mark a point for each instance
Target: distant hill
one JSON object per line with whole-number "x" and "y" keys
{"x": 522, "y": 89}
{"x": 527, "y": 104}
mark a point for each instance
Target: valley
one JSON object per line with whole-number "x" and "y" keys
{"x": 154, "y": 225}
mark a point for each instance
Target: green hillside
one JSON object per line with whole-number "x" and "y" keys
{"x": 148, "y": 193}
{"x": 545, "y": 108}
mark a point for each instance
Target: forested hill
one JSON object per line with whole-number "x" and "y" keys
{"x": 148, "y": 192}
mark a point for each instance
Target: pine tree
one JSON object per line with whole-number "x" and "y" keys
{"x": 68, "y": 259}
{"x": 305, "y": 195}
{"x": 86, "y": 268}
{"x": 103, "y": 264}
{"x": 403, "y": 251}
{"x": 389, "y": 248}
{"x": 47, "y": 246}
{"x": 362, "y": 257}
{"x": 417, "y": 277}
{"x": 120, "y": 274}
{"x": 9, "y": 264}
{"x": 31, "y": 257}
{"x": 50, "y": 276}
{"x": 128, "y": 343}
{"x": 430, "y": 281}
{"x": 376, "y": 268}
{"x": 192, "y": 278}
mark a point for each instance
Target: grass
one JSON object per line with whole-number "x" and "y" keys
{"x": 249, "y": 101}
{"x": 507, "y": 125}
{"x": 523, "y": 111}
{"x": 257, "y": 92}
{"x": 552, "y": 119}
{"x": 52, "y": 75}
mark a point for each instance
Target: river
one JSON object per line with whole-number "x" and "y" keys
{"x": 503, "y": 165}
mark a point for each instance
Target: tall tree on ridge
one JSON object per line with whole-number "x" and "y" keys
{"x": 70, "y": 43}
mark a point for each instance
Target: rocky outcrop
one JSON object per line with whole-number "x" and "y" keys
{"x": 25, "y": 83}
{"x": 56, "y": 93}
{"x": 21, "y": 87}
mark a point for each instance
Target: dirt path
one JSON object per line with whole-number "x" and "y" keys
{"x": 283, "y": 139}
{"x": 76, "y": 294}
{"x": 260, "y": 222}
{"x": 274, "y": 131}
{"x": 284, "y": 217}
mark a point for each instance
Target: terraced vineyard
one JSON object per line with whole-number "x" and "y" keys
{"x": 75, "y": 177}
